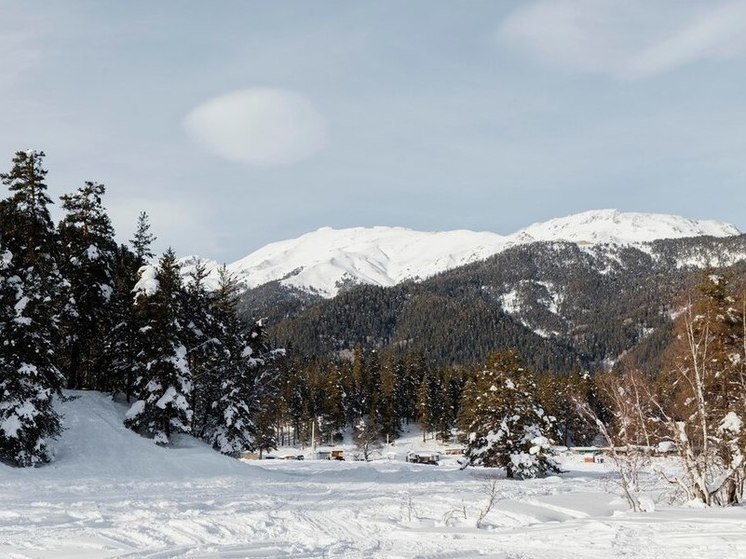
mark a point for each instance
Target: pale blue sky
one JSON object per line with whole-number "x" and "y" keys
{"x": 235, "y": 124}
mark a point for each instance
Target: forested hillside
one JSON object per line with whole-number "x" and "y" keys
{"x": 561, "y": 305}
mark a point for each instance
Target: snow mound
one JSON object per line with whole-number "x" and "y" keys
{"x": 95, "y": 443}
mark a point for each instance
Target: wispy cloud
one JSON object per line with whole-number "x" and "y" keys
{"x": 20, "y": 53}
{"x": 629, "y": 40}
{"x": 258, "y": 126}
{"x": 717, "y": 34}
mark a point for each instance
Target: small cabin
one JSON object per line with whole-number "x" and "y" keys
{"x": 330, "y": 454}
{"x": 423, "y": 457}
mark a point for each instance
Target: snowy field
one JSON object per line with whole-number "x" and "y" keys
{"x": 111, "y": 493}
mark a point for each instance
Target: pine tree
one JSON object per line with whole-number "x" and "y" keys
{"x": 558, "y": 396}
{"x": 88, "y": 264}
{"x": 356, "y": 401}
{"x": 506, "y": 425}
{"x": 31, "y": 290}
{"x": 164, "y": 382}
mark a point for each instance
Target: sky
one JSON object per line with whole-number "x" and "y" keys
{"x": 239, "y": 123}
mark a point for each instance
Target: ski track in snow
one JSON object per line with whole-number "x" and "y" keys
{"x": 111, "y": 493}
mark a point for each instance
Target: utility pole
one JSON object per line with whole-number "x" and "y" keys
{"x": 313, "y": 435}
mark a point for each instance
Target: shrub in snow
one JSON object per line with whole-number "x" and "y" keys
{"x": 506, "y": 425}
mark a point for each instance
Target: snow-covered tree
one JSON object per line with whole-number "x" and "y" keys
{"x": 31, "y": 291}
{"x": 245, "y": 396}
{"x": 88, "y": 264}
{"x": 205, "y": 350}
{"x": 163, "y": 386}
{"x": 506, "y": 425}
{"x": 120, "y": 341}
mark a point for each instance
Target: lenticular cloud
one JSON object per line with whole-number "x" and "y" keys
{"x": 258, "y": 126}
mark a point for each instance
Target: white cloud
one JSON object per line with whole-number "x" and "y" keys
{"x": 628, "y": 39}
{"x": 258, "y": 126}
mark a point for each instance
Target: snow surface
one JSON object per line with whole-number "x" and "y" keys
{"x": 110, "y": 493}
{"x": 324, "y": 260}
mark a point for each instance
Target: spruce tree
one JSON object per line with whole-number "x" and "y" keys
{"x": 164, "y": 384}
{"x": 89, "y": 266}
{"x": 31, "y": 290}
{"x": 506, "y": 425}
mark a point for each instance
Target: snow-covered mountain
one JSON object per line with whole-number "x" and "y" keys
{"x": 325, "y": 260}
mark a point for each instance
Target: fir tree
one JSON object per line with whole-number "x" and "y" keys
{"x": 242, "y": 404}
{"x": 205, "y": 348}
{"x": 31, "y": 291}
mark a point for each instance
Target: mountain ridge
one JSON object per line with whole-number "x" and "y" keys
{"x": 325, "y": 261}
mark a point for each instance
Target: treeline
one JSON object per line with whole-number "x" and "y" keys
{"x": 78, "y": 310}
{"x": 389, "y": 390}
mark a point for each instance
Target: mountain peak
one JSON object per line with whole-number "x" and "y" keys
{"x": 613, "y": 226}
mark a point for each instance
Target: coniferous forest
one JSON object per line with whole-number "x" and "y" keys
{"x": 82, "y": 312}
